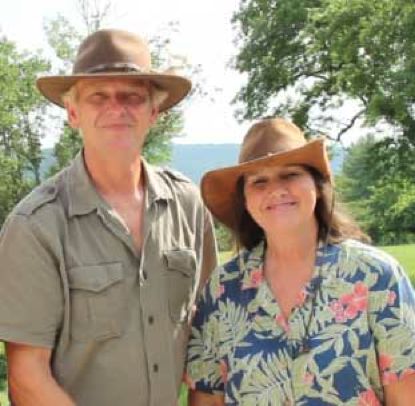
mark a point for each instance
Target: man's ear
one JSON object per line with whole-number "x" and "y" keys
{"x": 154, "y": 115}
{"x": 72, "y": 114}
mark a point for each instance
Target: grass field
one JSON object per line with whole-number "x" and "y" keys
{"x": 405, "y": 254}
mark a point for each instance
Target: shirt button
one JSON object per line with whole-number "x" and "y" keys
{"x": 151, "y": 319}
{"x": 155, "y": 367}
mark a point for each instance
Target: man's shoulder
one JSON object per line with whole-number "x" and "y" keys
{"x": 46, "y": 193}
{"x": 173, "y": 180}
{"x": 172, "y": 174}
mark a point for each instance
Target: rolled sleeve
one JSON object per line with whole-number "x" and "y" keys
{"x": 31, "y": 302}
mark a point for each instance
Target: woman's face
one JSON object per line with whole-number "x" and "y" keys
{"x": 282, "y": 199}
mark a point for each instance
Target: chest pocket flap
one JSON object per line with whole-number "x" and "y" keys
{"x": 180, "y": 272}
{"x": 97, "y": 302}
{"x": 183, "y": 261}
{"x": 95, "y": 278}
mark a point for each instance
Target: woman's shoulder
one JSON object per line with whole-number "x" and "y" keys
{"x": 368, "y": 258}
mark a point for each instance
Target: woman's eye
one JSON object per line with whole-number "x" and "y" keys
{"x": 290, "y": 175}
{"x": 258, "y": 181}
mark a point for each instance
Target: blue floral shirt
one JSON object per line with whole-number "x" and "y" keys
{"x": 352, "y": 331}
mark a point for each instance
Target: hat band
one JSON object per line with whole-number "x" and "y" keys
{"x": 115, "y": 67}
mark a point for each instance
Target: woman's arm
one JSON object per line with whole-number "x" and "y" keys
{"x": 198, "y": 398}
{"x": 401, "y": 393}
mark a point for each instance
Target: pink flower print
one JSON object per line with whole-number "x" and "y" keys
{"x": 351, "y": 311}
{"x": 308, "y": 378}
{"x": 368, "y": 398}
{"x": 391, "y": 298}
{"x": 188, "y": 381}
{"x": 255, "y": 279}
{"x": 385, "y": 362}
{"x": 350, "y": 304}
{"x": 220, "y": 291}
{"x": 338, "y": 311}
{"x": 282, "y": 322}
{"x": 407, "y": 372}
{"x": 223, "y": 366}
{"x": 360, "y": 289}
{"x": 389, "y": 377}
{"x": 346, "y": 298}
{"x": 301, "y": 297}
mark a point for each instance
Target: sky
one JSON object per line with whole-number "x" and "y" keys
{"x": 203, "y": 35}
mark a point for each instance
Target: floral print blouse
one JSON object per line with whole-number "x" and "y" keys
{"x": 351, "y": 332}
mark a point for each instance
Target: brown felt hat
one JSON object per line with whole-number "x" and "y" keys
{"x": 270, "y": 142}
{"x": 115, "y": 54}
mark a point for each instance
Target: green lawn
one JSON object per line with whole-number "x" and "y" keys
{"x": 405, "y": 254}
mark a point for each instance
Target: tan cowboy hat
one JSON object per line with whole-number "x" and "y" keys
{"x": 270, "y": 142}
{"x": 115, "y": 54}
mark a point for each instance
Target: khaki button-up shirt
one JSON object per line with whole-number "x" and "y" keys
{"x": 72, "y": 281}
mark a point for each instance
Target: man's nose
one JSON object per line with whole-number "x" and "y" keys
{"x": 116, "y": 103}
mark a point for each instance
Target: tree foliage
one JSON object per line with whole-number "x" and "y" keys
{"x": 306, "y": 58}
{"x": 21, "y": 124}
{"x": 377, "y": 183}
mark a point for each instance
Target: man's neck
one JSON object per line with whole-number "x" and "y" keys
{"x": 121, "y": 178}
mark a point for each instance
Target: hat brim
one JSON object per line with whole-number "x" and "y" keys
{"x": 177, "y": 87}
{"x": 218, "y": 186}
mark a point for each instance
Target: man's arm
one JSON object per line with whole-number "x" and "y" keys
{"x": 401, "y": 393}
{"x": 30, "y": 378}
{"x": 210, "y": 251}
{"x": 198, "y": 398}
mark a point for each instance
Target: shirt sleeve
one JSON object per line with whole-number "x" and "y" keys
{"x": 31, "y": 302}
{"x": 392, "y": 317}
{"x": 203, "y": 370}
{"x": 210, "y": 254}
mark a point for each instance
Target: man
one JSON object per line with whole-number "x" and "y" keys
{"x": 100, "y": 265}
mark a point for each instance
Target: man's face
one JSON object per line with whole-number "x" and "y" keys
{"x": 113, "y": 115}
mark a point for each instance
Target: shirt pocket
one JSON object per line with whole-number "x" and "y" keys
{"x": 180, "y": 278}
{"x": 97, "y": 294}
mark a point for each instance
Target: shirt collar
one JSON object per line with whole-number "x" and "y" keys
{"x": 252, "y": 263}
{"x": 84, "y": 198}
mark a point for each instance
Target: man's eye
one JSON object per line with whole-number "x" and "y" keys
{"x": 97, "y": 97}
{"x": 134, "y": 98}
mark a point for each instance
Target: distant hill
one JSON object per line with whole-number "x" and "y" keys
{"x": 193, "y": 160}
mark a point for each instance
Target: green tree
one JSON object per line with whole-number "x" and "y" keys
{"x": 377, "y": 183}
{"x": 306, "y": 58}
{"x": 21, "y": 124}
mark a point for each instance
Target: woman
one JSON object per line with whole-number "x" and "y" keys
{"x": 305, "y": 314}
